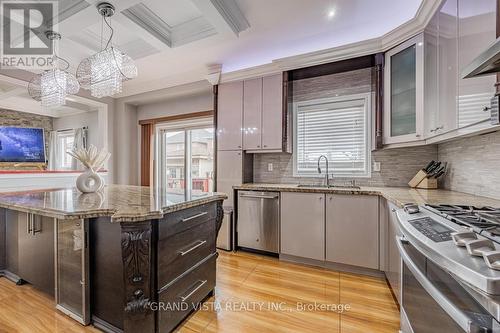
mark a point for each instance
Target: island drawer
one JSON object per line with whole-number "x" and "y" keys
{"x": 178, "y": 299}
{"x": 179, "y": 252}
{"x": 179, "y": 221}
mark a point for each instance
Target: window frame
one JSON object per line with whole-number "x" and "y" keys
{"x": 60, "y": 154}
{"x": 179, "y": 125}
{"x": 366, "y": 98}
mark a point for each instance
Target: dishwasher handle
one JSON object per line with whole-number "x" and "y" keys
{"x": 258, "y": 196}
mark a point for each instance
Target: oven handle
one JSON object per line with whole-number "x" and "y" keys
{"x": 454, "y": 312}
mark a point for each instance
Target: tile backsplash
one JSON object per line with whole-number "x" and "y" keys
{"x": 473, "y": 165}
{"x": 397, "y": 167}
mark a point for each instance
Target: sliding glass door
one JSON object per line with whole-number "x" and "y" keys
{"x": 186, "y": 155}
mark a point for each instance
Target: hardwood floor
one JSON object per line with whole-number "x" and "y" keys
{"x": 254, "y": 294}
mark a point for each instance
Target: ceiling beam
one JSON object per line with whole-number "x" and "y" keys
{"x": 12, "y": 92}
{"x": 224, "y": 15}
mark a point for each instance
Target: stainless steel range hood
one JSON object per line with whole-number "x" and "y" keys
{"x": 488, "y": 62}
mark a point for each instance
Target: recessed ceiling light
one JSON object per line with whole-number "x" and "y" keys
{"x": 331, "y": 13}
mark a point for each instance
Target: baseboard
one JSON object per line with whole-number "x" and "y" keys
{"x": 333, "y": 266}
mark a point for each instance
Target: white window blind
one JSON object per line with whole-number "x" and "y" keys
{"x": 338, "y": 128}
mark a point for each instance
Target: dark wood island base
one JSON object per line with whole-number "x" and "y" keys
{"x": 141, "y": 269}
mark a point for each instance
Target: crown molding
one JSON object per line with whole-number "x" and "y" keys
{"x": 381, "y": 44}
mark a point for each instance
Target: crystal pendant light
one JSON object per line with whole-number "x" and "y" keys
{"x": 104, "y": 72}
{"x": 52, "y": 86}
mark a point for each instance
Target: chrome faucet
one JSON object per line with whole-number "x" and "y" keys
{"x": 319, "y": 168}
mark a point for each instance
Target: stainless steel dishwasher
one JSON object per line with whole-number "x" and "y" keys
{"x": 258, "y": 220}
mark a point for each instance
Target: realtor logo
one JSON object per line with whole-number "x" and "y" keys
{"x": 24, "y": 43}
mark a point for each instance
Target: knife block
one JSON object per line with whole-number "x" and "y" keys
{"x": 428, "y": 183}
{"x": 421, "y": 181}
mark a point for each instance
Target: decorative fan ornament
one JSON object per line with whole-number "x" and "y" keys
{"x": 52, "y": 86}
{"x": 104, "y": 72}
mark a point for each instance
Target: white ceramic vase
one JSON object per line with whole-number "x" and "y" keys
{"x": 89, "y": 182}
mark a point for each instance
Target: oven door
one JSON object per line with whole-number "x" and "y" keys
{"x": 433, "y": 301}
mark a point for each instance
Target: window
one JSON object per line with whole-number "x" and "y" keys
{"x": 65, "y": 142}
{"x": 338, "y": 128}
{"x": 186, "y": 155}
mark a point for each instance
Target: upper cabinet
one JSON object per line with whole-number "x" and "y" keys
{"x": 252, "y": 115}
{"x": 476, "y": 31}
{"x": 264, "y": 115}
{"x": 425, "y": 98}
{"x": 404, "y": 87}
{"x": 230, "y": 116}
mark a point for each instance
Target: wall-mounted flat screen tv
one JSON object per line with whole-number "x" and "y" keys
{"x": 22, "y": 145}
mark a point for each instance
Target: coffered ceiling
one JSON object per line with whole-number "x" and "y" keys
{"x": 173, "y": 41}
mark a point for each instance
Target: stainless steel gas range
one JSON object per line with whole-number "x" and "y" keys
{"x": 450, "y": 268}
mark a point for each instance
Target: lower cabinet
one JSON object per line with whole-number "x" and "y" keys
{"x": 352, "y": 229}
{"x": 337, "y": 228}
{"x": 303, "y": 225}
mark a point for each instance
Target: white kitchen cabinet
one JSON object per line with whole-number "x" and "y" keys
{"x": 352, "y": 230}
{"x": 252, "y": 114}
{"x": 264, "y": 116}
{"x": 229, "y": 173}
{"x": 404, "y": 92}
{"x": 230, "y": 116}
{"x": 476, "y": 32}
{"x": 272, "y": 112}
{"x": 303, "y": 225}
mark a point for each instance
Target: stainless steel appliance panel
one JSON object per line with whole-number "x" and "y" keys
{"x": 258, "y": 220}
{"x": 36, "y": 251}
{"x": 433, "y": 300}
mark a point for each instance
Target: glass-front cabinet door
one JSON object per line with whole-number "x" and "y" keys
{"x": 72, "y": 272}
{"x": 403, "y": 103}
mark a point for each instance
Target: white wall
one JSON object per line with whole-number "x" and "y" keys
{"x": 176, "y": 106}
{"x": 89, "y": 119}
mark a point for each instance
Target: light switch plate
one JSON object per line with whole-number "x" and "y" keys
{"x": 269, "y": 167}
{"x": 376, "y": 166}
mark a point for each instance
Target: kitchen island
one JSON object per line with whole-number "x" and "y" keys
{"x": 127, "y": 259}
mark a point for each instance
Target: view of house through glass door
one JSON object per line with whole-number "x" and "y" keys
{"x": 185, "y": 155}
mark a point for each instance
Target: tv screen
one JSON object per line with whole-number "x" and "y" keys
{"x": 21, "y": 144}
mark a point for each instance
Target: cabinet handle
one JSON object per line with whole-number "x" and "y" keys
{"x": 192, "y": 248}
{"x": 393, "y": 210}
{"x": 201, "y": 283}
{"x": 239, "y": 146}
{"x": 265, "y": 146}
{"x": 486, "y": 108}
{"x": 258, "y": 146}
{"x": 35, "y": 230}
{"x": 28, "y": 224}
{"x": 320, "y": 198}
{"x": 194, "y": 217}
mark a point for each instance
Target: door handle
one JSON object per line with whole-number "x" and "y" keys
{"x": 259, "y": 196}
{"x": 201, "y": 283}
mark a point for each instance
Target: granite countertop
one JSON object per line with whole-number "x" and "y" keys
{"x": 397, "y": 195}
{"x": 123, "y": 203}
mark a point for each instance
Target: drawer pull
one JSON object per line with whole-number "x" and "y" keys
{"x": 194, "y": 247}
{"x": 201, "y": 283}
{"x": 194, "y": 217}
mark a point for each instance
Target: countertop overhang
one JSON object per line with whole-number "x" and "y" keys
{"x": 122, "y": 203}
{"x": 397, "y": 195}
